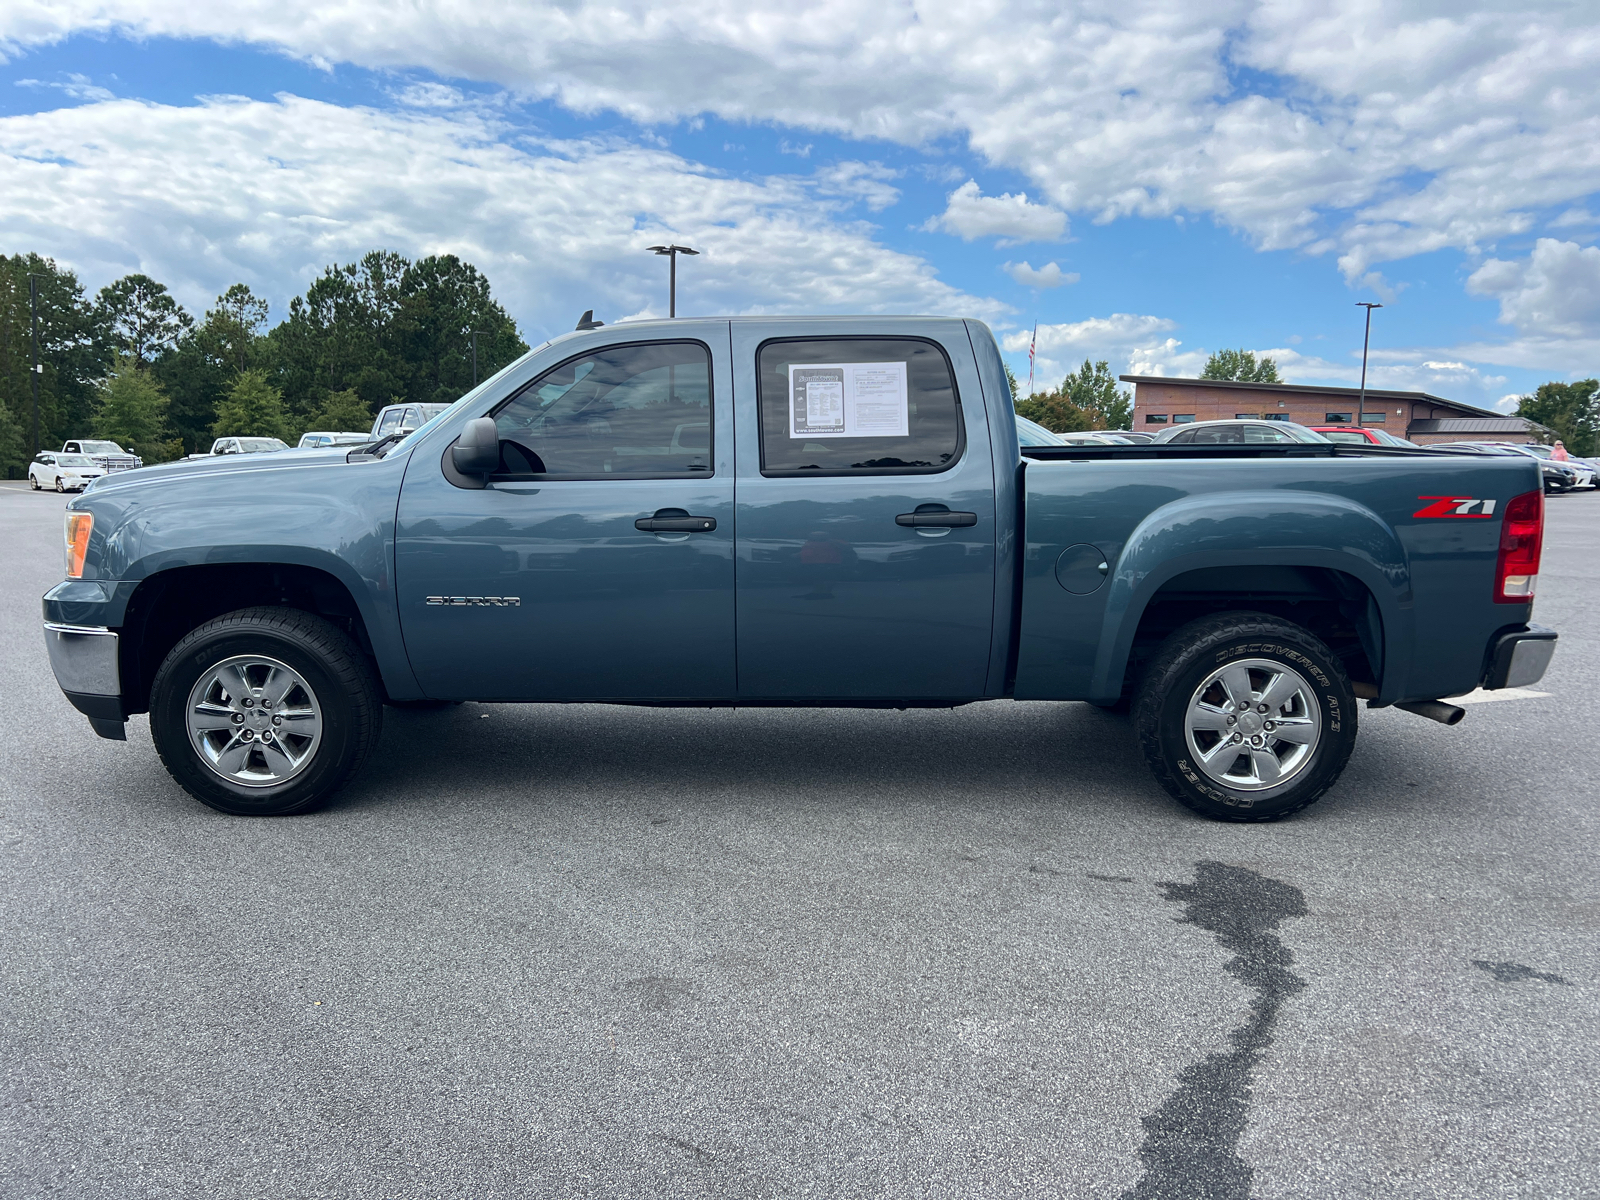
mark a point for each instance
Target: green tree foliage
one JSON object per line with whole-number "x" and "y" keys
{"x": 14, "y": 453}
{"x": 72, "y": 350}
{"x": 1241, "y": 365}
{"x": 1088, "y": 398}
{"x": 1570, "y": 410}
{"x": 142, "y": 319}
{"x": 391, "y": 330}
{"x": 1011, "y": 382}
{"x": 251, "y": 407}
{"x": 132, "y": 411}
{"x": 341, "y": 412}
{"x": 197, "y": 371}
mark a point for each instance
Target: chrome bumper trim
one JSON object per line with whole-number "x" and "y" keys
{"x": 84, "y": 658}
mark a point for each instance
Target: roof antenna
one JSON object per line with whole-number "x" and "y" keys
{"x": 587, "y": 321}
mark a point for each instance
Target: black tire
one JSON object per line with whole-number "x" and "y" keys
{"x": 59, "y": 488}
{"x": 33, "y": 482}
{"x": 339, "y": 675}
{"x": 1187, "y": 659}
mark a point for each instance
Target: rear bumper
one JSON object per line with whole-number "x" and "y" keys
{"x": 1519, "y": 657}
{"x": 84, "y": 659}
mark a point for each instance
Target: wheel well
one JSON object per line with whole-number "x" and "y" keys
{"x": 169, "y": 604}
{"x": 1337, "y": 607}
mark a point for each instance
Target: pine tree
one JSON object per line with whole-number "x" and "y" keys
{"x": 342, "y": 412}
{"x": 251, "y": 407}
{"x": 132, "y": 411}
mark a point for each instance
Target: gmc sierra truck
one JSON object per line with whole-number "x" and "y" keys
{"x": 791, "y": 511}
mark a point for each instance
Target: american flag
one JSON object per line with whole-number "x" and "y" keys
{"x": 1031, "y": 344}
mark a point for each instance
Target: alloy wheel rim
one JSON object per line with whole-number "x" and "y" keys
{"x": 254, "y": 721}
{"x": 1253, "y": 724}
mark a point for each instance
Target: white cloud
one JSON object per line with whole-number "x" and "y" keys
{"x": 77, "y": 87}
{"x": 1048, "y": 276}
{"x": 269, "y": 193}
{"x": 1383, "y": 130}
{"x": 1554, "y": 292}
{"x": 969, "y": 214}
{"x": 864, "y": 181}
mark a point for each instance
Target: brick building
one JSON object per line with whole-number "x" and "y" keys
{"x": 1160, "y": 401}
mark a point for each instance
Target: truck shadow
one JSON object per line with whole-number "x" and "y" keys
{"x": 522, "y": 755}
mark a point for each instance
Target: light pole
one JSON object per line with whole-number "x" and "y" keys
{"x": 33, "y": 300}
{"x": 672, "y": 253}
{"x": 1365, "y": 341}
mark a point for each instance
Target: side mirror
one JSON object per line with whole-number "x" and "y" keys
{"x": 477, "y": 450}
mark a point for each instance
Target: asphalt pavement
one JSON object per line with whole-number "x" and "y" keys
{"x": 580, "y": 951}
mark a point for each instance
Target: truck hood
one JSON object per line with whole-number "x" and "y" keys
{"x": 219, "y": 464}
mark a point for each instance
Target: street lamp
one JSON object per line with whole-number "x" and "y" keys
{"x": 672, "y": 253}
{"x": 1367, "y": 338}
{"x": 38, "y": 367}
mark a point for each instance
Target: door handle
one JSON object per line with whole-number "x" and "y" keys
{"x": 675, "y": 524}
{"x": 942, "y": 520}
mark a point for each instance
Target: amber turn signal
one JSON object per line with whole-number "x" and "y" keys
{"x": 79, "y": 526}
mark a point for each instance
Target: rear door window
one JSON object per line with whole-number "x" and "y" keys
{"x": 1257, "y": 434}
{"x": 857, "y": 406}
{"x": 639, "y": 411}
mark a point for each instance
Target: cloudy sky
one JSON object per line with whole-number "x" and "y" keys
{"x": 1146, "y": 181}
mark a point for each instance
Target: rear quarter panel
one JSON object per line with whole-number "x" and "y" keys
{"x": 1154, "y": 519}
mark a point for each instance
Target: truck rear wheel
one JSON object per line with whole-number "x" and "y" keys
{"x": 265, "y": 711}
{"x": 1245, "y": 717}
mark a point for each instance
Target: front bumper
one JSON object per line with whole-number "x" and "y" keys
{"x": 84, "y": 659}
{"x": 1520, "y": 657}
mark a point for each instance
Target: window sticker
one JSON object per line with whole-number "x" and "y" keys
{"x": 848, "y": 400}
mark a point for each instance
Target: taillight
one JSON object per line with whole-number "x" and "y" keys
{"x": 79, "y": 526}
{"x": 1521, "y": 536}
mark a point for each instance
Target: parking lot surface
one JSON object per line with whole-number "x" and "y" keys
{"x": 590, "y": 951}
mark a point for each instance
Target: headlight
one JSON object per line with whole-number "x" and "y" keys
{"x": 79, "y": 526}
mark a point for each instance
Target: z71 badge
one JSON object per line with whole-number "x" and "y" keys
{"x": 1455, "y": 506}
{"x": 480, "y": 601}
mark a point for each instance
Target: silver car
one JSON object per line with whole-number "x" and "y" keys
{"x": 1232, "y": 433}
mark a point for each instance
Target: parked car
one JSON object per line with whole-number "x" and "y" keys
{"x": 1031, "y": 433}
{"x": 106, "y": 454}
{"x": 1223, "y": 433}
{"x": 1363, "y": 435}
{"x": 1089, "y": 438}
{"x": 243, "y": 445}
{"x": 1582, "y": 466}
{"x": 403, "y": 419}
{"x": 1557, "y": 477}
{"x": 63, "y": 472}
{"x": 859, "y": 527}
{"x": 312, "y": 441}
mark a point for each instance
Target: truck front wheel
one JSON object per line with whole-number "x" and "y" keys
{"x": 265, "y": 711}
{"x": 1245, "y": 717}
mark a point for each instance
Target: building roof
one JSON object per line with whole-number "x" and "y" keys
{"x": 1501, "y": 424}
{"x": 1305, "y": 390}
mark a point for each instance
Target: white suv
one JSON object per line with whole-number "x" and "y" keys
{"x": 64, "y": 472}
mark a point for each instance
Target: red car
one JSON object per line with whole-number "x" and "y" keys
{"x": 1362, "y": 435}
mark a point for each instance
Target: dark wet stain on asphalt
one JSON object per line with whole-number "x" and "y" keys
{"x": 1510, "y": 972}
{"x": 1191, "y": 1142}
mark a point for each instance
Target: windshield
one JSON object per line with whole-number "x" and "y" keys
{"x": 1346, "y": 435}
{"x": 261, "y": 445}
{"x": 101, "y": 448}
{"x": 1541, "y": 451}
{"x": 72, "y": 460}
{"x": 1031, "y": 433}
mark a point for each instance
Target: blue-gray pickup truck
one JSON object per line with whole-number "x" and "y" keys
{"x": 791, "y": 511}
